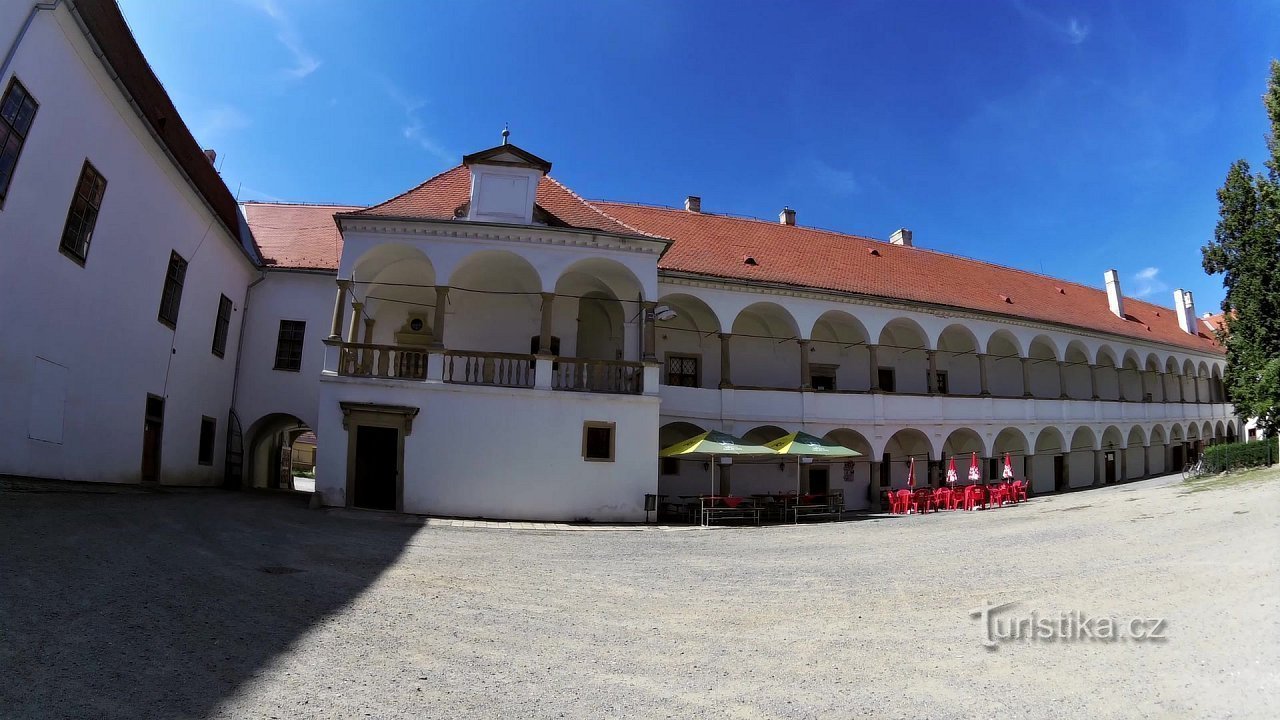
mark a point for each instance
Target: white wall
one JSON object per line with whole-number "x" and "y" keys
{"x": 98, "y": 322}
{"x": 502, "y": 453}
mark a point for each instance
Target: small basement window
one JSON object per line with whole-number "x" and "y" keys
{"x": 597, "y": 441}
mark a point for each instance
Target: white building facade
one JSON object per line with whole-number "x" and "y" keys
{"x": 490, "y": 344}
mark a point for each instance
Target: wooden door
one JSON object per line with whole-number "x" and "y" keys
{"x": 376, "y": 468}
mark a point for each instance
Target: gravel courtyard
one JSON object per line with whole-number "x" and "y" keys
{"x": 121, "y": 603}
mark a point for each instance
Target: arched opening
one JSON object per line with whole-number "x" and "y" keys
{"x": 1172, "y": 381}
{"x": 1004, "y": 365}
{"x": 1188, "y": 381}
{"x": 1082, "y": 462}
{"x": 1046, "y": 381}
{"x": 1012, "y": 441}
{"x": 1078, "y": 372}
{"x": 902, "y": 358}
{"x": 1153, "y": 387}
{"x": 763, "y": 475}
{"x": 961, "y": 444}
{"x": 677, "y": 476}
{"x": 495, "y": 304}
{"x": 1158, "y": 452}
{"x": 1193, "y": 443}
{"x": 1049, "y": 466}
{"x": 1135, "y": 463}
{"x": 764, "y": 351}
{"x": 1107, "y": 369}
{"x": 688, "y": 342}
{"x": 1203, "y": 384}
{"x": 1231, "y": 432}
{"x": 1219, "y": 391}
{"x": 1113, "y": 456}
{"x": 596, "y": 311}
{"x": 904, "y": 446}
{"x": 1176, "y": 457}
{"x": 957, "y": 361}
{"x": 838, "y": 356}
{"x": 854, "y": 474}
{"x": 280, "y": 453}
{"x": 1131, "y": 378}
{"x": 396, "y": 285}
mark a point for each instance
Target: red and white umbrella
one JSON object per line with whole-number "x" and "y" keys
{"x": 911, "y": 474}
{"x": 951, "y": 472}
{"x": 975, "y": 474}
{"x": 1008, "y": 468}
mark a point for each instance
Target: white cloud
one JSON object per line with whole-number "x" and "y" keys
{"x": 304, "y": 63}
{"x": 1073, "y": 30}
{"x": 814, "y": 172}
{"x": 1146, "y": 282}
{"x": 414, "y": 129}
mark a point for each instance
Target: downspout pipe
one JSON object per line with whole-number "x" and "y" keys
{"x": 31, "y": 16}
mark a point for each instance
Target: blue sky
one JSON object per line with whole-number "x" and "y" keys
{"x": 1058, "y": 137}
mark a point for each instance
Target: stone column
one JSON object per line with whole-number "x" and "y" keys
{"x": 437, "y": 325}
{"x": 874, "y": 486}
{"x": 353, "y": 330}
{"x": 366, "y": 354}
{"x": 875, "y": 368}
{"x": 649, "y": 346}
{"x": 1093, "y": 381}
{"x": 982, "y": 375}
{"x": 339, "y": 307}
{"x": 1062, "y": 380}
{"x": 544, "y": 332}
{"x": 806, "y": 379}
{"x": 725, "y": 381}
{"x": 932, "y": 380}
{"x": 1026, "y": 377}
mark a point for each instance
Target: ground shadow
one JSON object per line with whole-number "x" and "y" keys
{"x": 163, "y": 604}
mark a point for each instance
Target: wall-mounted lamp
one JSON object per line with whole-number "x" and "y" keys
{"x": 663, "y": 313}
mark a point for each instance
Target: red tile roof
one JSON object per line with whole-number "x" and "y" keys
{"x": 306, "y": 236}
{"x": 718, "y": 245}
{"x": 443, "y": 196}
{"x": 302, "y": 237}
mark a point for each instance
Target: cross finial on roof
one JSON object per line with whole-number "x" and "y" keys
{"x": 506, "y": 132}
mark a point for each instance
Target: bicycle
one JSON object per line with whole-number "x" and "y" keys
{"x": 1193, "y": 470}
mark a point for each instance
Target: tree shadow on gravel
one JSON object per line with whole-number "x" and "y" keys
{"x": 164, "y": 604}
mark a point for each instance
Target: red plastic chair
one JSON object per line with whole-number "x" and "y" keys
{"x": 895, "y": 506}
{"x": 1019, "y": 491}
{"x": 974, "y": 496}
{"x": 999, "y": 494}
{"x": 923, "y": 498}
{"x": 904, "y": 497}
{"x": 942, "y": 497}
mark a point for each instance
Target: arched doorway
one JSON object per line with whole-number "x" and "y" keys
{"x": 904, "y": 446}
{"x": 1082, "y": 468}
{"x": 1011, "y": 440}
{"x": 961, "y": 444}
{"x": 1050, "y": 465}
{"x": 271, "y": 459}
{"x": 677, "y": 476}
{"x": 854, "y": 474}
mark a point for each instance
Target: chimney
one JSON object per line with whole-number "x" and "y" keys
{"x": 787, "y": 216}
{"x": 1115, "y": 299}
{"x": 901, "y": 236}
{"x": 212, "y": 155}
{"x": 1185, "y": 308}
{"x": 693, "y": 203}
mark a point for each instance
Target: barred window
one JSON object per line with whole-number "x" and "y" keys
{"x": 17, "y": 110}
{"x": 289, "y": 345}
{"x": 221, "y": 325}
{"x": 682, "y": 371}
{"x": 82, "y": 216}
{"x": 171, "y": 298}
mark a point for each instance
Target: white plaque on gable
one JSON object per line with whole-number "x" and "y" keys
{"x": 503, "y": 195}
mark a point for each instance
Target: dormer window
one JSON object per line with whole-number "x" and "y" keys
{"x": 504, "y": 184}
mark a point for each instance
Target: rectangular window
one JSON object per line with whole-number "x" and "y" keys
{"x": 597, "y": 441}
{"x": 221, "y": 325}
{"x": 17, "y": 110}
{"x": 171, "y": 298}
{"x": 886, "y": 379}
{"x": 83, "y": 214}
{"x": 289, "y": 345}
{"x": 682, "y": 371}
{"x": 942, "y": 381}
{"x": 823, "y": 377}
{"x": 208, "y": 432}
{"x": 670, "y": 466}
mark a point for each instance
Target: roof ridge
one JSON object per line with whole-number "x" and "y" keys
{"x": 419, "y": 186}
{"x": 300, "y": 203}
{"x": 904, "y": 248}
{"x": 593, "y": 206}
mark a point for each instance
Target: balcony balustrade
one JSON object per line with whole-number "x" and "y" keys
{"x": 489, "y": 368}
{"x": 602, "y": 376}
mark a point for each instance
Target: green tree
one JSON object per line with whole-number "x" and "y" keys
{"x": 1246, "y": 251}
